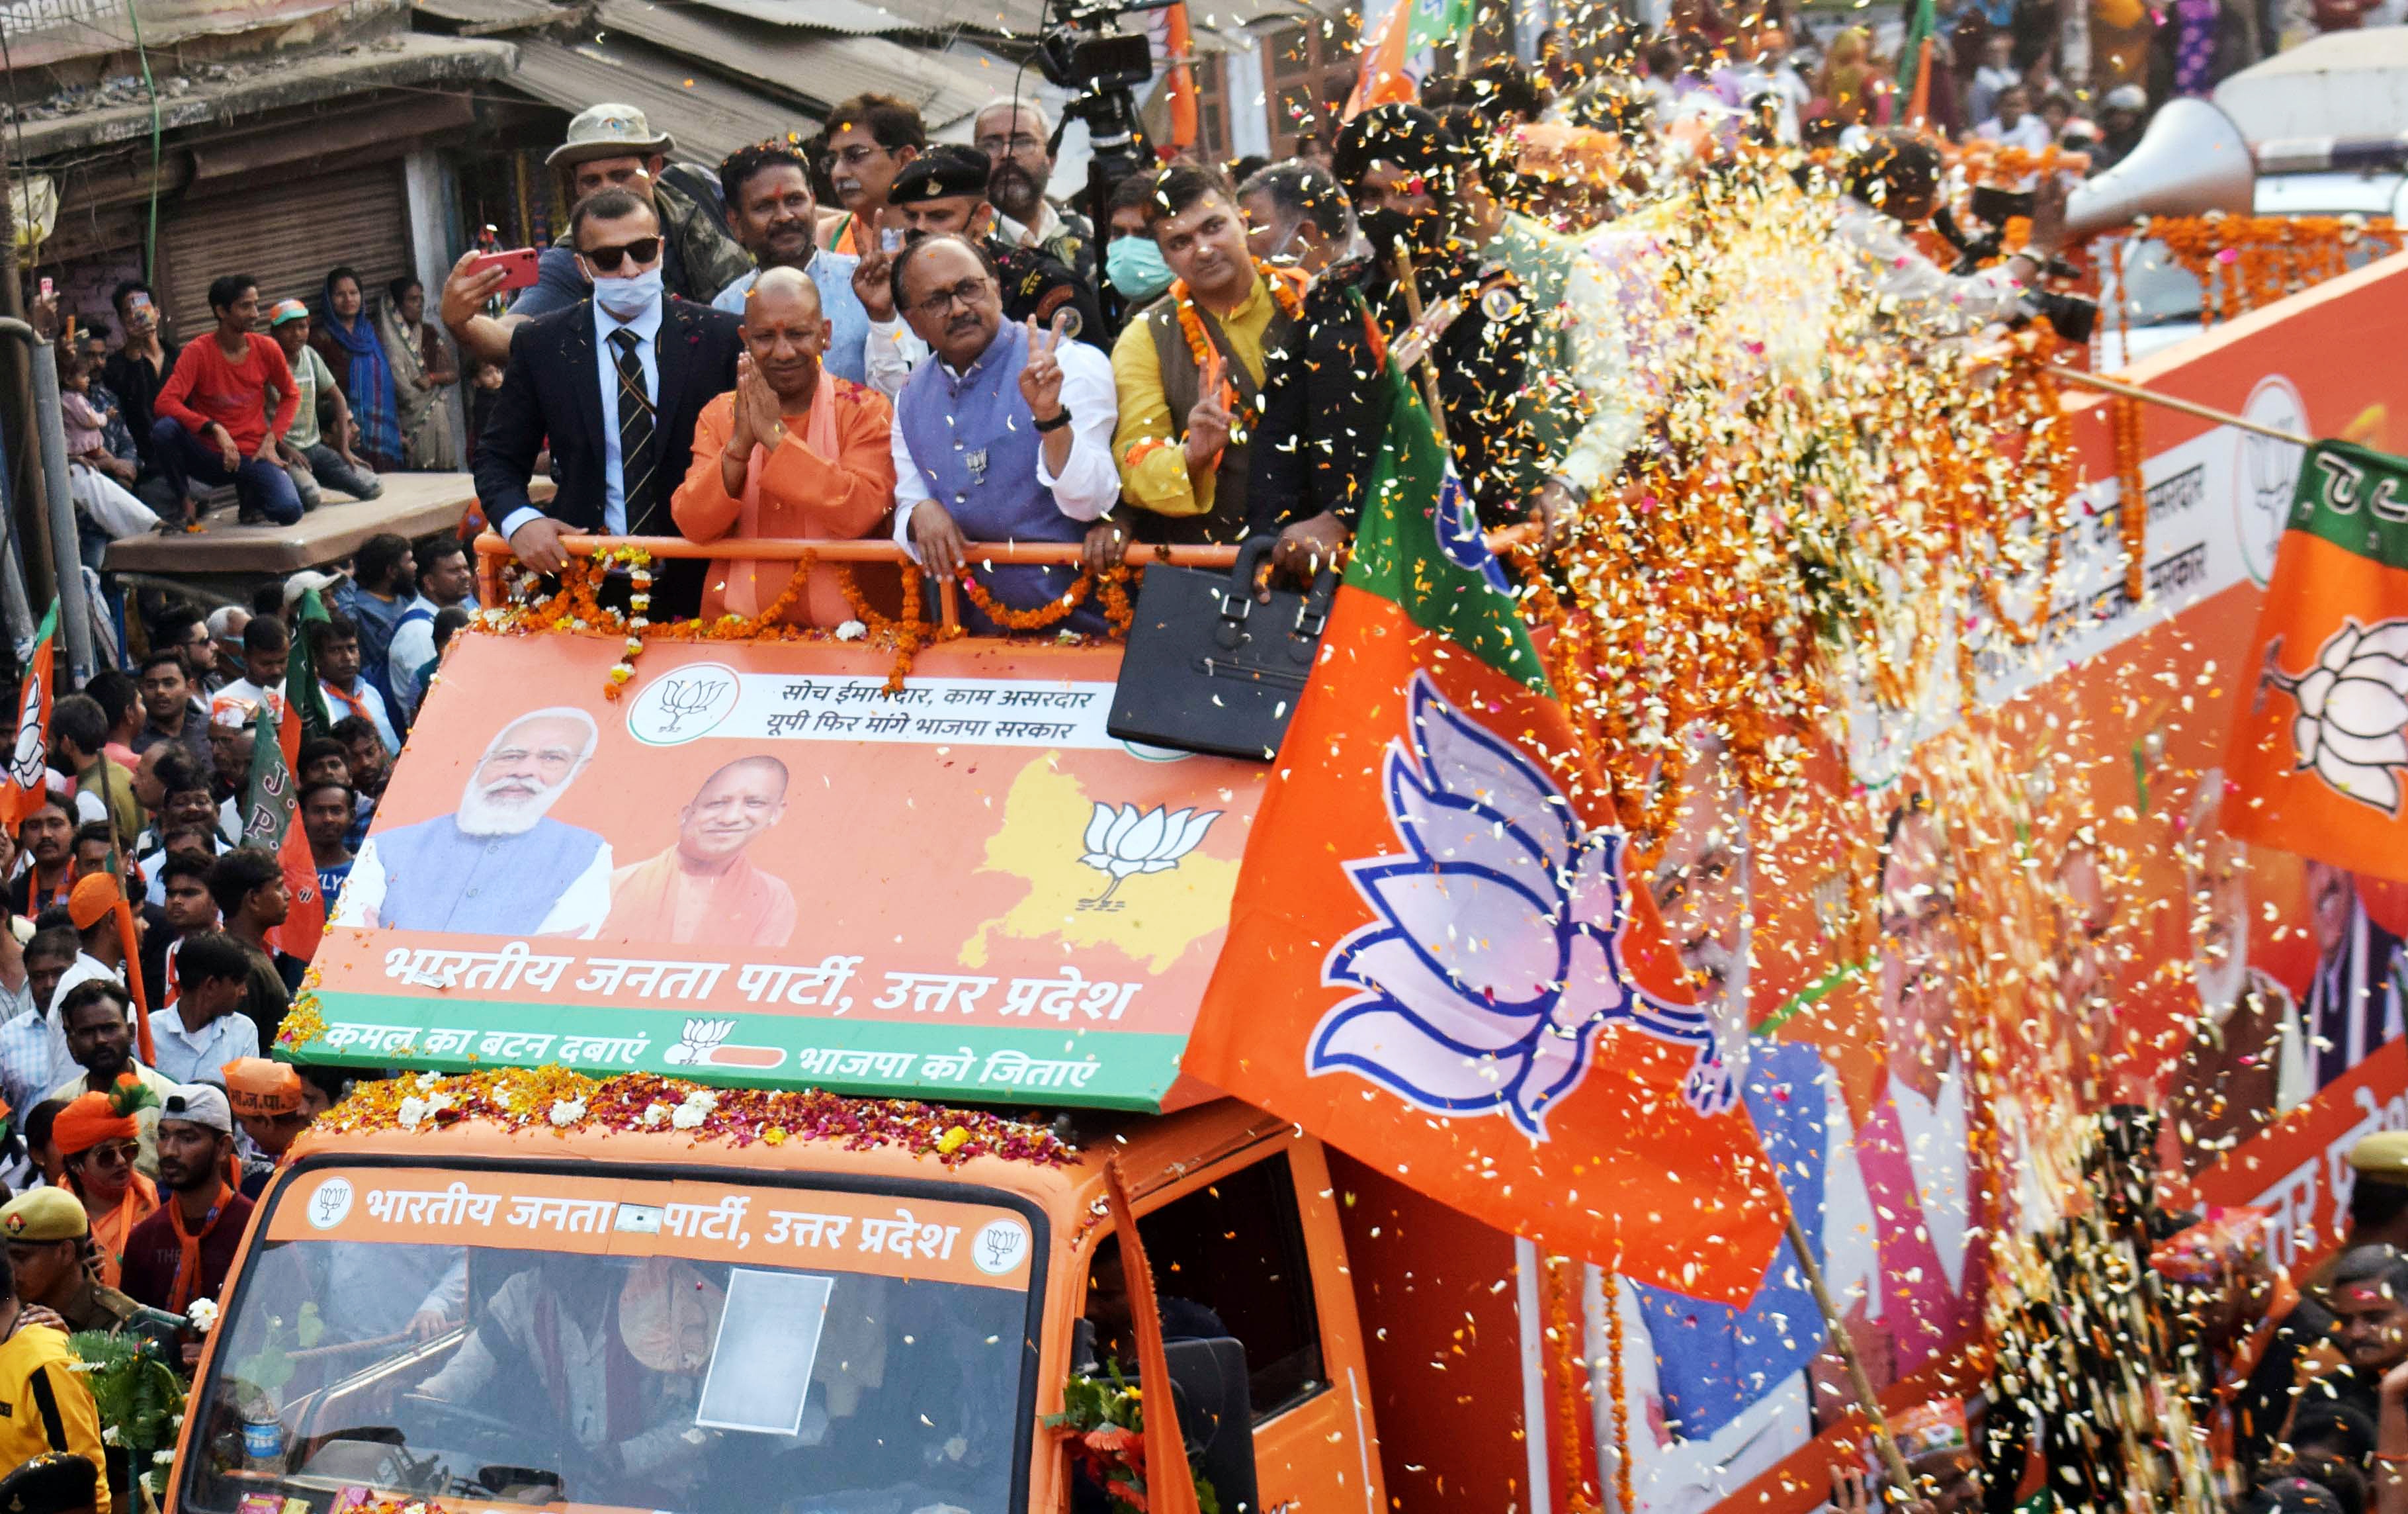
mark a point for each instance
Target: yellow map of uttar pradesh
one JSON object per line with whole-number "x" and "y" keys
{"x": 1152, "y": 916}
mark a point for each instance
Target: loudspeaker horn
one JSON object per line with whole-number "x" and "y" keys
{"x": 2191, "y": 160}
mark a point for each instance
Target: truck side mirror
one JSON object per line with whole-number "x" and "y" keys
{"x": 1208, "y": 1382}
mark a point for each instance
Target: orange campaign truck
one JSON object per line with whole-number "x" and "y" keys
{"x": 775, "y": 1182}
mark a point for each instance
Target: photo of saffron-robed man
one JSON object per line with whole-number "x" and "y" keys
{"x": 703, "y": 890}
{"x": 499, "y": 865}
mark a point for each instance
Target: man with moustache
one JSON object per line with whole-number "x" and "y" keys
{"x": 1004, "y": 434}
{"x": 2246, "y": 1063}
{"x": 1731, "y": 1388}
{"x": 870, "y": 139}
{"x": 499, "y": 864}
{"x": 703, "y": 891}
{"x": 773, "y": 213}
{"x": 1017, "y": 140}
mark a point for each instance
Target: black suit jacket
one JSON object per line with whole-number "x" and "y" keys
{"x": 553, "y": 388}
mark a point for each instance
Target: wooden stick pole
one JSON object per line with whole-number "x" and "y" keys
{"x": 2133, "y": 391}
{"x": 1900, "y": 1476}
{"x": 1413, "y": 313}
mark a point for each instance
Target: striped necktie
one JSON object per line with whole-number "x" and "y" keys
{"x": 640, "y": 491}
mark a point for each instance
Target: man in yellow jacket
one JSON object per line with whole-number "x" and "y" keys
{"x": 44, "y": 1405}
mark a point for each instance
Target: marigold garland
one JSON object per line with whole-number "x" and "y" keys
{"x": 1618, "y": 1389}
{"x": 2131, "y": 493}
{"x": 2246, "y": 263}
{"x": 1118, "y": 613}
{"x": 569, "y": 1102}
{"x": 573, "y": 606}
{"x": 1287, "y": 286}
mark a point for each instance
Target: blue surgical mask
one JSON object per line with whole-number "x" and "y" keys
{"x": 1134, "y": 267}
{"x": 629, "y": 299}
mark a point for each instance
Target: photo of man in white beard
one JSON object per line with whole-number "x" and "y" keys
{"x": 499, "y": 864}
{"x": 2246, "y": 1063}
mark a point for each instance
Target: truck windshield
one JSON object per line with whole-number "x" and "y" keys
{"x": 527, "y": 1338}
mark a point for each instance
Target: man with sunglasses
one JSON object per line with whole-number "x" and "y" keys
{"x": 615, "y": 382}
{"x": 608, "y": 147}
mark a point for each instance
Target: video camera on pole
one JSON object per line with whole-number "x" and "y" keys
{"x": 1082, "y": 50}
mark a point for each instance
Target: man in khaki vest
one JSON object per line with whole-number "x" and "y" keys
{"x": 1181, "y": 443}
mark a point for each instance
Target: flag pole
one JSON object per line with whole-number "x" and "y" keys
{"x": 1900, "y": 1476}
{"x": 1413, "y": 314}
{"x": 2133, "y": 391}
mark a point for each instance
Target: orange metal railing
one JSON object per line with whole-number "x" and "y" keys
{"x": 492, "y": 553}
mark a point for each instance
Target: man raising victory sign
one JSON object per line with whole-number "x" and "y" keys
{"x": 1004, "y": 434}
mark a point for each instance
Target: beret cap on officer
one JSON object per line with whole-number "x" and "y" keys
{"x": 53, "y": 1482}
{"x": 1405, "y": 135}
{"x": 2383, "y": 1157}
{"x": 44, "y": 1213}
{"x": 940, "y": 173}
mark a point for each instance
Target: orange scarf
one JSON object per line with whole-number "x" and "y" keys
{"x": 752, "y": 586}
{"x": 356, "y": 703}
{"x": 109, "y": 1230}
{"x": 188, "y": 1247}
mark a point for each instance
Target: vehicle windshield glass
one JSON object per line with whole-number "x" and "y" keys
{"x": 586, "y": 1342}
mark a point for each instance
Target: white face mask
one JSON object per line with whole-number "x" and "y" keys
{"x": 629, "y": 298}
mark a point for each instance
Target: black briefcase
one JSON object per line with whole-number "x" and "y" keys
{"x": 1208, "y": 668}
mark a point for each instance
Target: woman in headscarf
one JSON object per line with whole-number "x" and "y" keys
{"x": 99, "y": 1137}
{"x": 424, "y": 377}
{"x": 347, "y": 338}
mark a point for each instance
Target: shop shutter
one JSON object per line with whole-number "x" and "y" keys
{"x": 286, "y": 236}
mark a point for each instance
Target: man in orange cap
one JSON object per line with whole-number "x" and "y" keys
{"x": 100, "y": 956}
{"x": 270, "y": 1103}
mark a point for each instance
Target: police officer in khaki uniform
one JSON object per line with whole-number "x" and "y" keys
{"x": 50, "y": 1244}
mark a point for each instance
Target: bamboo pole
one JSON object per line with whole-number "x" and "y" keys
{"x": 2205, "y": 413}
{"x": 1900, "y": 1476}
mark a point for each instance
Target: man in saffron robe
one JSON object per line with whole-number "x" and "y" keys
{"x": 499, "y": 865}
{"x": 703, "y": 892}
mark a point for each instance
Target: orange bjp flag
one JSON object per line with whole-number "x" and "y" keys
{"x": 2319, "y": 760}
{"x": 1437, "y": 959}
{"x": 28, "y": 777}
{"x": 1383, "y": 80}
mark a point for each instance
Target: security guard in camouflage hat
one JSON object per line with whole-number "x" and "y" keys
{"x": 55, "y": 1482}
{"x": 48, "y": 1238}
{"x": 945, "y": 189}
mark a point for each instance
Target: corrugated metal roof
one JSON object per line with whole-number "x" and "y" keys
{"x": 849, "y": 16}
{"x": 479, "y": 18}
{"x": 709, "y": 117}
{"x": 816, "y": 71}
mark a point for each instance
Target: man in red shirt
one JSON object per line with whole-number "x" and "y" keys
{"x": 184, "y": 1250}
{"x": 213, "y": 422}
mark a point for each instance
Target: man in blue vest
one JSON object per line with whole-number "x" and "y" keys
{"x": 1004, "y": 434}
{"x": 499, "y": 865}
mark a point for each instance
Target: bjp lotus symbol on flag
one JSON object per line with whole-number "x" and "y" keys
{"x": 1437, "y": 959}
{"x": 1498, "y": 945}
{"x": 2320, "y": 752}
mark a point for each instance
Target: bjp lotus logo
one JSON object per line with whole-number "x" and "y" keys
{"x": 1122, "y": 841}
{"x": 2353, "y": 722}
{"x": 1496, "y": 955}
